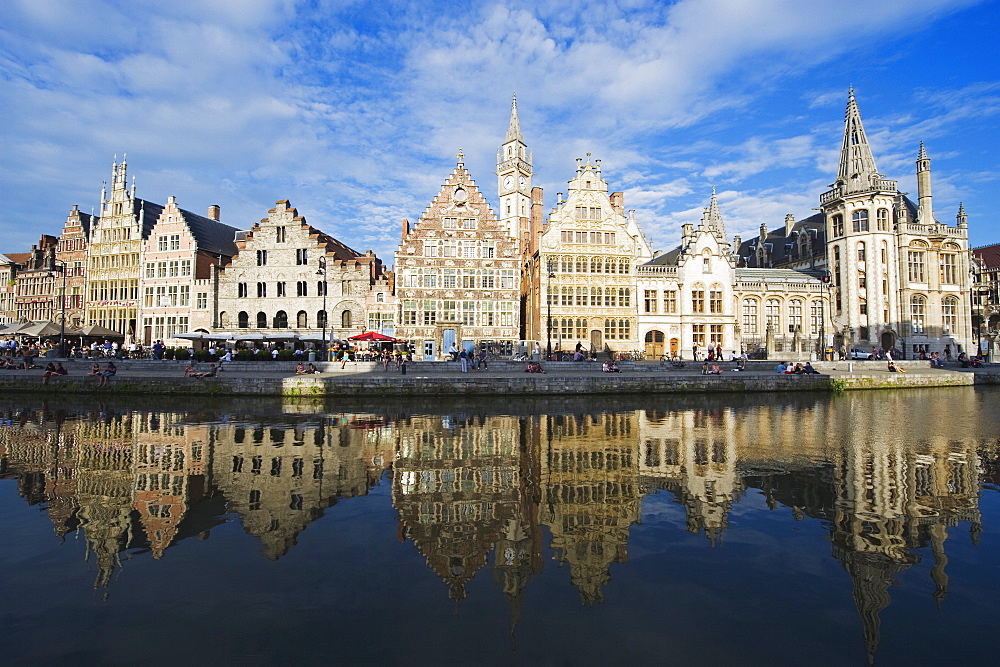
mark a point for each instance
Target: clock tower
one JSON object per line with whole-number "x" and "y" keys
{"x": 514, "y": 179}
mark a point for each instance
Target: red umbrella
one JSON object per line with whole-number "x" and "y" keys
{"x": 373, "y": 336}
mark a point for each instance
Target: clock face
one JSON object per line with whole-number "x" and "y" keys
{"x": 522, "y": 182}
{"x": 508, "y": 182}
{"x": 460, "y": 194}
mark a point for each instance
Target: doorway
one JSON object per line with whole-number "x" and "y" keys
{"x": 654, "y": 344}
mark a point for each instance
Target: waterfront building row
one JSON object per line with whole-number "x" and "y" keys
{"x": 872, "y": 268}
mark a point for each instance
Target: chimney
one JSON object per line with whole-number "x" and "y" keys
{"x": 789, "y": 223}
{"x": 618, "y": 201}
{"x": 213, "y": 212}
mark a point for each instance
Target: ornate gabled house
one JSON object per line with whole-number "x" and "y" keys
{"x": 114, "y": 267}
{"x": 180, "y": 258}
{"x": 37, "y": 290}
{"x": 287, "y": 276}
{"x": 687, "y": 298}
{"x": 71, "y": 257}
{"x": 583, "y": 288}
{"x": 457, "y": 272}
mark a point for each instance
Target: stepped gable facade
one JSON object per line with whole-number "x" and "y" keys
{"x": 180, "y": 258}
{"x": 457, "y": 272}
{"x": 289, "y": 276}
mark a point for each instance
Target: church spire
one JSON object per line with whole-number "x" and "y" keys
{"x": 713, "y": 217}
{"x": 857, "y": 172}
{"x": 514, "y": 130}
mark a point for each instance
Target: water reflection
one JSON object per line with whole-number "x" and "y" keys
{"x": 473, "y": 486}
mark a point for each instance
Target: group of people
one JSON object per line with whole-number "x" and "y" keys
{"x": 465, "y": 357}
{"x": 797, "y": 369}
{"x": 108, "y": 372}
{"x": 713, "y": 354}
{"x": 213, "y": 371}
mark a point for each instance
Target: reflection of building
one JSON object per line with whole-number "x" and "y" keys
{"x": 692, "y": 455}
{"x": 279, "y": 477}
{"x": 590, "y": 494}
{"x": 458, "y": 489}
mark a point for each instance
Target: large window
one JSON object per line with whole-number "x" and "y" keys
{"x": 649, "y": 300}
{"x": 715, "y": 301}
{"x": 750, "y": 317}
{"x": 948, "y": 273}
{"x": 670, "y": 301}
{"x": 698, "y": 335}
{"x": 883, "y": 219}
{"x": 794, "y": 316}
{"x": 815, "y": 317}
{"x": 949, "y": 314}
{"x": 698, "y": 301}
{"x": 838, "y": 225}
{"x": 301, "y": 256}
{"x": 916, "y": 266}
{"x": 918, "y": 311}
{"x": 772, "y": 312}
{"x": 409, "y": 312}
{"x": 859, "y": 220}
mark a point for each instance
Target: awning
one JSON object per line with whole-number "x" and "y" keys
{"x": 373, "y": 336}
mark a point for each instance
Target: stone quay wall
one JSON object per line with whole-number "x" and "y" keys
{"x": 445, "y": 379}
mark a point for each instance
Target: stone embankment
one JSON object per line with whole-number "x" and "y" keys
{"x": 503, "y": 378}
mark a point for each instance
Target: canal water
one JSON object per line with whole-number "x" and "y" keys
{"x": 770, "y": 529}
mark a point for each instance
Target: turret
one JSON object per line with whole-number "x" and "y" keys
{"x": 962, "y": 219}
{"x": 925, "y": 207}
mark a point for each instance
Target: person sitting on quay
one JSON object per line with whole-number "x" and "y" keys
{"x": 781, "y": 367}
{"x": 893, "y": 368}
{"x": 481, "y": 360}
{"x": 190, "y": 370}
{"x": 809, "y": 370}
{"x": 976, "y": 361}
{"x": 312, "y": 369}
{"x": 936, "y": 361}
{"x": 109, "y": 372}
{"x": 300, "y": 368}
{"x": 212, "y": 372}
{"x": 534, "y": 367}
{"x": 715, "y": 370}
{"x": 95, "y": 370}
{"x": 611, "y": 367}
{"x": 50, "y": 370}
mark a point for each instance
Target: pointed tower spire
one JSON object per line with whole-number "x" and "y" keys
{"x": 857, "y": 172}
{"x": 514, "y": 130}
{"x": 925, "y": 205}
{"x": 713, "y": 217}
{"x": 962, "y": 219}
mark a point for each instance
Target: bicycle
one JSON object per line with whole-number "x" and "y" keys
{"x": 671, "y": 360}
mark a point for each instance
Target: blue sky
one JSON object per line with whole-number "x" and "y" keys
{"x": 354, "y": 111}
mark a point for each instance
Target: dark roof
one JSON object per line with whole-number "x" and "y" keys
{"x": 668, "y": 258}
{"x": 18, "y": 257}
{"x": 211, "y": 235}
{"x": 989, "y": 255}
{"x": 150, "y": 216}
{"x": 785, "y": 249}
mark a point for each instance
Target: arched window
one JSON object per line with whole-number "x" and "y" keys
{"x": 281, "y": 320}
{"x": 949, "y": 313}
{"x": 750, "y": 317}
{"x": 243, "y": 320}
{"x": 301, "y": 320}
{"x": 321, "y": 319}
{"x": 859, "y": 220}
{"x": 918, "y": 311}
{"x": 883, "y": 219}
{"x": 345, "y": 319}
{"x": 772, "y": 312}
{"x": 261, "y": 321}
{"x": 706, "y": 261}
{"x": 794, "y": 316}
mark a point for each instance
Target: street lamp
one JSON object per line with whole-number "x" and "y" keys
{"x": 322, "y": 272}
{"x": 548, "y": 297}
{"x": 62, "y": 322}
